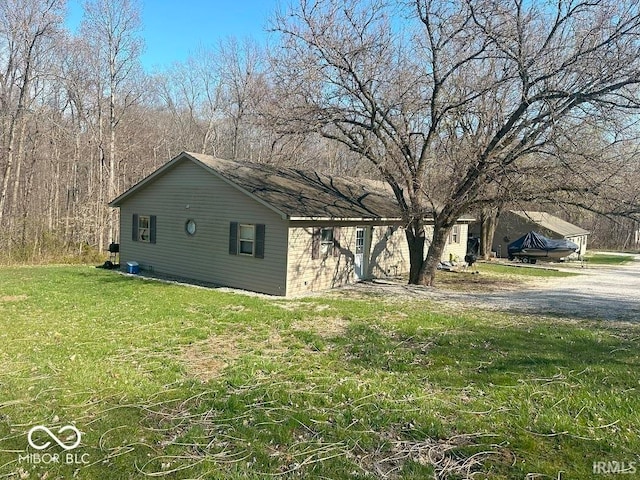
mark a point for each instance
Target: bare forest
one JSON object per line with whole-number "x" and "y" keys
{"x": 462, "y": 107}
{"x": 82, "y": 121}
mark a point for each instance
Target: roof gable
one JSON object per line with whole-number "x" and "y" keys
{"x": 551, "y": 222}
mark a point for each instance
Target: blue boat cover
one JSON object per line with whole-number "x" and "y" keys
{"x": 534, "y": 240}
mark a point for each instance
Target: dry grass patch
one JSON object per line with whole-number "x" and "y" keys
{"x": 206, "y": 360}
{"x": 447, "y": 457}
{"x": 13, "y": 298}
{"x": 236, "y": 308}
{"x": 304, "y": 306}
{"x": 325, "y": 327}
{"x": 290, "y": 306}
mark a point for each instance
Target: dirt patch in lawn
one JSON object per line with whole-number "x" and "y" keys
{"x": 207, "y": 359}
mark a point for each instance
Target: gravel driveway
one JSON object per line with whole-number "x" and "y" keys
{"x": 599, "y": 292}
{"x": 611, "y": 293}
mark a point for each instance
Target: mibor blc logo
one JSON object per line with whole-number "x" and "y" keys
{"x": 67, "y": 437}
{"x": 54, "y": 437}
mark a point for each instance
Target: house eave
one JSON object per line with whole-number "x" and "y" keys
{"x": 371, "y": 220}
{"x": 344, "y": 219}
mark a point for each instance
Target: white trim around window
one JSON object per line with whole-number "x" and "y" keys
{"x": 454, "y": 236}
{"x": 246, "y": 239}
{"x": 144, "y": 228}
{"x": 326, "y": 240}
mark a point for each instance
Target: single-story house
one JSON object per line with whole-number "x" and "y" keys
{"x": 512, "y": 224}
{"x": 262, "y": 228}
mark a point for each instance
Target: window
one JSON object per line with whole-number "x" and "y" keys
{"x": 143, "y": 228}
{"x": 359, "y": 241}
{"x": 326, "y": 240}
{"x": 246, "y": 239}
{"x": 454, "y": 236}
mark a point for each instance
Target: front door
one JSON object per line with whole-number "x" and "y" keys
{"x": 359, "y": 259}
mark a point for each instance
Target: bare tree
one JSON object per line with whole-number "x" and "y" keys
{"x": 241, "y": 73}
{"x": 112, "y": 29}
{"x": 26, "y": 27}
{"x": 455, "y": 101}
{"x": 191, "y": 91}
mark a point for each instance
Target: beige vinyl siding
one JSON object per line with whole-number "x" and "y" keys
{"x": 459, "y": 248}
{"x": 581, "y": 241}
{"x": 189, "y": 192}
{"x": 305, "y": 274}
{"x": 389, "y": 252}
{"x": 386, "y": 248}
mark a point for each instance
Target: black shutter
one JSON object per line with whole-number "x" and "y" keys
{"x": 134, "y": 228}
{"x": 152, "y": 229}
{"x": 259, "y": 252}
{"x": 315, "y": 244}
{"x": 336, "y": 241}
{"x": 233, "y": 238}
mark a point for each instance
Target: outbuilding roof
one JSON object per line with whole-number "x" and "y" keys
{"x": 551, "y": 222}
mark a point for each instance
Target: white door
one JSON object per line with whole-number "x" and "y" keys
{"x": 359, "y": 256}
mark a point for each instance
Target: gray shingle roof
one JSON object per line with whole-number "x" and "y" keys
{"x": 306, "y": 194}
{"x": 551, "y": 222}
{"x": 294, "y": 193}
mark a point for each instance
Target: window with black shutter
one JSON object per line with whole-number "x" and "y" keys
{"x": 143, "y": 228}
{"x": 260, "y": 236}
{"x": 247, "y": 239}
{"x": 325, "y": 241}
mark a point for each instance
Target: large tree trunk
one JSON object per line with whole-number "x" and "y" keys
{"x": 488, "y": 223}
{"x": 423, "y": 270}
{"x": 415, "y": 239}
{"x": 429, "y": 268}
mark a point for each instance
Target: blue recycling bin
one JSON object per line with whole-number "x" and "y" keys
{"x": 133, "y": 267}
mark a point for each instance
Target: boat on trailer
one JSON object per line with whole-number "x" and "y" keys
{"x": 533, "y": 247}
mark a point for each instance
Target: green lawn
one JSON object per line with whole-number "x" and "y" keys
{"x": 608, "y": 259}
{"x": 178, "y": 382}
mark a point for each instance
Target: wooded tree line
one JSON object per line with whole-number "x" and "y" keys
{"x": 82, "y": 121}
{"x": 461, "y": 106}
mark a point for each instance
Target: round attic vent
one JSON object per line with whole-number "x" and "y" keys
{"x": 190, "y": 227}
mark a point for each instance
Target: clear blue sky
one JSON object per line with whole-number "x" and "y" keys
{"x": 172, "y": 29}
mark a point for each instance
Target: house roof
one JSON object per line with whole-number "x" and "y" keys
{"x": 551, "y": 222}
{"x": 294, "y": 194}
